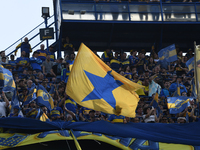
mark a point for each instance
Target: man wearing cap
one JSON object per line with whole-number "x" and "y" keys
{"x": 36, "y": 62}
{"x": 181, "y": 120}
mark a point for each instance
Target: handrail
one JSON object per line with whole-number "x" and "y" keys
{"x": 33, "y": 38}
{"x": 27, "y": 34}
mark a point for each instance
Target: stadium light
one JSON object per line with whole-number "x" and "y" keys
{"x": 45, "y": 12}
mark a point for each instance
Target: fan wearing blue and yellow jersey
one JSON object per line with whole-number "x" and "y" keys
{"x": 70, "y": 108}
{"x": 115, "y": 62}
{"x": 132, "y": 58}
{"x": 42, "y": 53}
{"x": 116, "y": 119}
{"x": 36, "y": 62}
{"x": 57, "y": 112}
{"x": 141, "y": 63}
{"x": 32, "y": 111}
{"x": 51, "y": 53}
{"x": 84, "y": 113}
{"x": 107, "y": 55}
{"x": 124, "y": 61}
{"x": 65, "y": 73}
{"x": 25, "y": 46}
{"x": 22, "y": 62}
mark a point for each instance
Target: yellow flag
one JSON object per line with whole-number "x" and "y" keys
{"x": 78, "y": 147}
{"x": 197, "y": 70}
{"x": 94, "y": 85}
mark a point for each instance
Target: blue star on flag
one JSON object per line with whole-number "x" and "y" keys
{"x": 103, "y": 87}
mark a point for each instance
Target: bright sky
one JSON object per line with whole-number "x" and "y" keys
{"x": 18, "y": 17}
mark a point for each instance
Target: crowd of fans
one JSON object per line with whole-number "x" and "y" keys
{"x": 42, "y": 68}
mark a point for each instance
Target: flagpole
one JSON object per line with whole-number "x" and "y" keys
{"x": 195, "y": 72}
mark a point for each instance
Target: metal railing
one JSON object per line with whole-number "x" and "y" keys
{"x": 130, "y": 12}
{"x": 33, "y": 37}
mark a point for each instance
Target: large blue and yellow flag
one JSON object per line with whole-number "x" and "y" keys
{"x": 190, "y": 63}
{"x": 168, "y": 53}
{"x": 44, "y": 98}
{"x": 31, "y": 94}
{"x": 177, "y": 104}
{"x": 6, "y": 80}
{"x": 94, "y": 85}
{"x": 197, "y": 71}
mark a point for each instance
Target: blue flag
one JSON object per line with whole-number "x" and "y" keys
{"x": 168, "y": 53}
{"x": 31, "y": 95}
{"x": 44, "y": 98}
{"x": 6, "y": 80}
{"x": 190, "y": 63}
{"x": 177, "y": 104}
{"x": 52, "y": 90}
{"x": 177, "y": 92}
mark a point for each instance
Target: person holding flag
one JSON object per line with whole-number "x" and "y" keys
{"x": 173, "y": 86}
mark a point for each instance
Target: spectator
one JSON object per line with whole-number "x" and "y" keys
{"x": 25, "y": 46}
{"x": 165, "y": 91}
{"x": 116, "y": 119}
{"x": 36, "y": 62}
{"x": 107, "y": 55}
{"x": 68, "y": 47}
{"x": 143, "y": 10}
{"x": 42, "y": 53}
{"x": 57, "y": 69}
{"x": 22, "y": 62}
{"x": 12, "y": 62}
{"x": 47, "y": 66}
{"x": 173, "y": 86}
{"x": 84, "y": 113}
{"x": 181, "y": 120}
{"x": 4, "y": 103}
{"x": 51, "y": 53}
{"x": 124, "y": 60}
{"x": 151, "y": 64}
{"x": 150, "y": 115}
{"x": 141, "y": 63}
{"x": 132, "y": 58}
{"x": 32, "y": 111}
{"x": 65, "y": 73}
{"x": 15, "y": 113}
{"x": 56, "y": 112}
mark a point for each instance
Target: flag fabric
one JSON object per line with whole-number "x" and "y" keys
{"x": 178, "y": 91}
{"x": 6, "y": 80}
{"x": 193, "y": 88}
{"x": 31, "y": 94}
{"x": 168, "y": 53}
{"x": 42, "y": 116}
{"x": 7, "y": 84}
{"x": 197, "y": 71}
{"x": 78, "y": 147}
{"x": 52, "y": 90}
{"x": 154, "y": 88}
{"x": 177, "y": 104}
{"x": 190, "y": 63}
{"x": 44, "y": 98}
{"x": 94, "y": 85}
